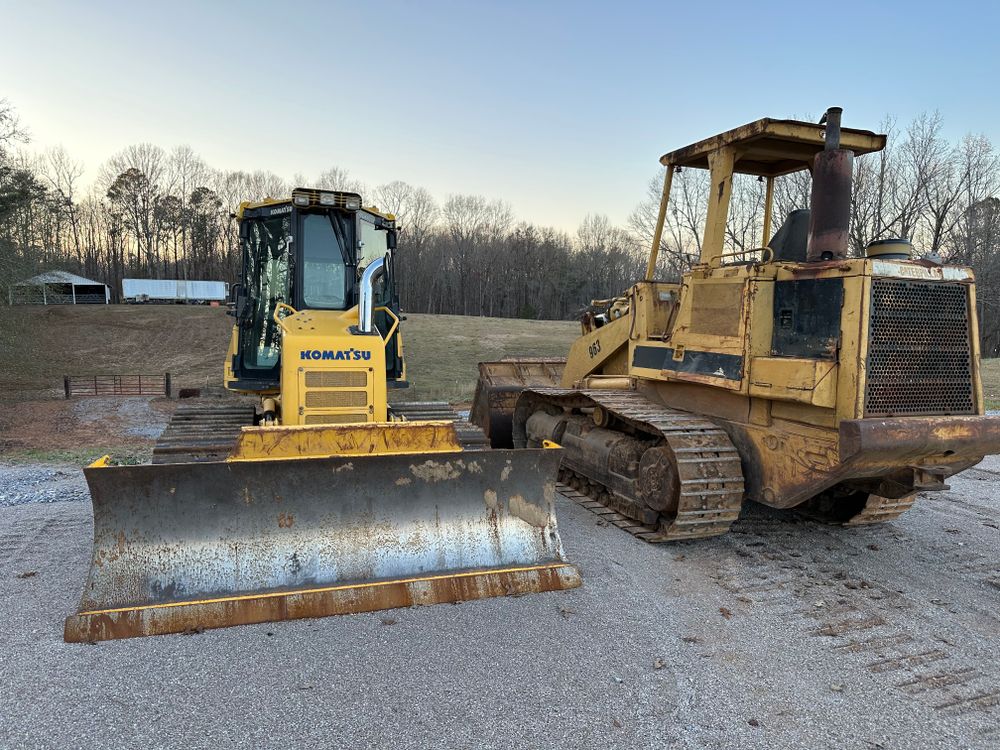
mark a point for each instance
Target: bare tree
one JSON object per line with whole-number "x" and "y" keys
{"x": 186, "y": 171}
{"x": 680, "y": 242}
{"x": 62, "y": 174}
{"x": 336, "y": 178}
{"x": 133, "y": 180}
{"x": 745, "y": 223}
{"x": 11, "y": 130}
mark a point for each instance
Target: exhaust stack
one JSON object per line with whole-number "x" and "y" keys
{"x": 830, "y": 217}
{"x": 367, "y": 296}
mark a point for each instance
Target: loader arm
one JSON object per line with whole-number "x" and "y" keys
{"x": 601, "y": 350}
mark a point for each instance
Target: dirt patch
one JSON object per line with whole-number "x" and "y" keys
{"x": 81, "y": 430}
{"x": 127, "y": 417}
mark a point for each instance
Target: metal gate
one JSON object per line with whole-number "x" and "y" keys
{"x": 117, "y": 385}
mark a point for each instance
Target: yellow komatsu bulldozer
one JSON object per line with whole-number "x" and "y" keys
{"x": 316, "y": 497}
{"x": 794, "y": 375}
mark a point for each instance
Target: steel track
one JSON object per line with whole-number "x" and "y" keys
{"x": 201, "y": 431}
{"x": 708, "y": 466}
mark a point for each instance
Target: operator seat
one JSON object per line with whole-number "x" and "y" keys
{"x": 789, "y": 242}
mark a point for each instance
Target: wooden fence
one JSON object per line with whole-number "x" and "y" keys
{"x": 117, "y": 385}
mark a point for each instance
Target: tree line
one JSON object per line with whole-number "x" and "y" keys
{"x": 156, "y": 213}
{"x": 160, "y": 213}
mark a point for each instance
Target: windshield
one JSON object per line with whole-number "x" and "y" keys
{"x": 266, "y": 254}
{"x": 324, "y": 261}
{"x": 373, "y": 241}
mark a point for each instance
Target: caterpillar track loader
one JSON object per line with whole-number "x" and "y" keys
{"x": 795, "y": 375}
{"x": 319, "y": 498}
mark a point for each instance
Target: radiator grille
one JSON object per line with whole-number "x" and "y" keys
{"x": 335, "y": 399}
{"x": 336, "y": 379}
{"x": 335, "y": 418}
{"x": 919, "y": 353}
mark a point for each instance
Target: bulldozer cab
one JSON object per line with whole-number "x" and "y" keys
{"x": 309, "y": 253}
{"x": 766, "y": 149}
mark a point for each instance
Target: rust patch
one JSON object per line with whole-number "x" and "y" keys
{"x": 196, "y": 616}
{"x": 285, "y": 520}
{"x": 435, "y": 471}
{"x": 528, "y": 511}
{"x": 490, "y": 497}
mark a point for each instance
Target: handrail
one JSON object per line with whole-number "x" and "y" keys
{"x": 278, "y": 308}
{"x": 281, "y": 306}
{"x": 762, "y": 250}
{"x": 395, "y": 323}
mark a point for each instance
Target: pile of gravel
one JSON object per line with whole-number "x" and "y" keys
{"x": 40, "y": 483}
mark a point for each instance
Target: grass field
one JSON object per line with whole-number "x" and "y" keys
{"x": 442, "y": 351}
{"x": 991, "y": 382}
{"x": 38, "y": 345}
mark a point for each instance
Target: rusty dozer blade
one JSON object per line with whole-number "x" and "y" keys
{"x": 185, "y": 547}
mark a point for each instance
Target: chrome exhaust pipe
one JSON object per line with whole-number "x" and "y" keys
{"x": 367, "y": 295}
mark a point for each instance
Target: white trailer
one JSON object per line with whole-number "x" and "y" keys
{"x": 201, "y": 292}
{"x": 174, "y": 291}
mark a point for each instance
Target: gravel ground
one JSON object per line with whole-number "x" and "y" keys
{"x": 139, "y": 417}
{"x": 783, "y": 634}
{"x": 40, "y": 483}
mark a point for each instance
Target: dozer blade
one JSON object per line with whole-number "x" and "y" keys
{"x": 499, "y": 385}
{"x": 185, "y": 547}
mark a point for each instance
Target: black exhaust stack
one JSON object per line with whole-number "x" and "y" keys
{"x": 830, "y": 217}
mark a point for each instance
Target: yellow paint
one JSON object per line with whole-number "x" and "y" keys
{"x": 768, "y": 205}
{"x": 772, "y": 147}
{"x": 591, "y": 351}
{"x": 395, "y": 323}
{"x": 661, "y": 216}
{"x": 720, "y": 189}
{"x": 811, "y": 381}
{"x": 308, "y": 386}
{"x": 330, "y": 374}
{"x": 323, "y": 441}
{"x": 250, "y": 205}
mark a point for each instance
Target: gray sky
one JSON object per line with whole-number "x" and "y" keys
{"x": 559, "y": 108}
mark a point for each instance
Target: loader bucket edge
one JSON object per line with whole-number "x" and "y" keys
{"x": 497, "y": 390}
